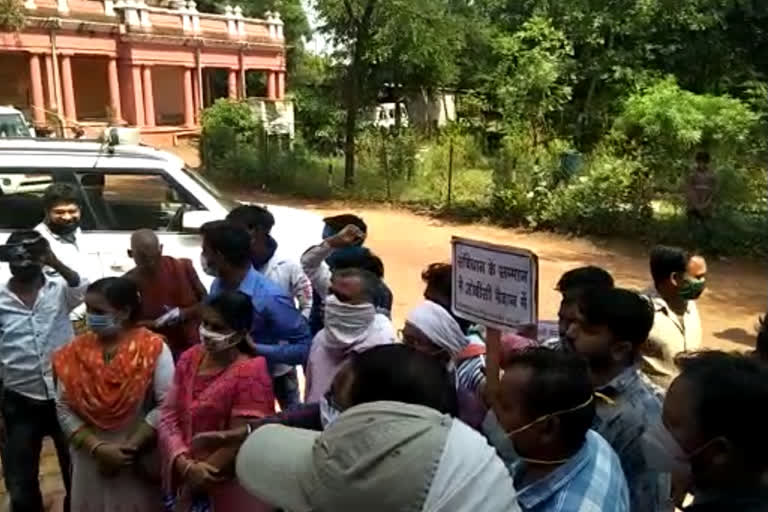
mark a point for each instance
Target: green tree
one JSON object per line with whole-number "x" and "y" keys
{"x": 12, "y": 15}
{"x": 379, "y": 40}
{"x": 533, "y": 75}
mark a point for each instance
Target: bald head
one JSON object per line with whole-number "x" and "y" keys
{"x": 146, "y": 250}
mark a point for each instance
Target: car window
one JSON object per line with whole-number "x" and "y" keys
{"x": 127, "y": 201}
{"x": 21, "y": 197}
{"x": 228, "y": 203}
{"x": 13, "y": 125}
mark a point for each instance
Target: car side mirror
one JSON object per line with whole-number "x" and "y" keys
{"x": 193, "y": 220}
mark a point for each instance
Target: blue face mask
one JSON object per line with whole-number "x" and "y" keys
{"x": 100, "y": 324}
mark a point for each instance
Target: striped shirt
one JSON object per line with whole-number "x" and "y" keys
{"x": 591, "y": 481}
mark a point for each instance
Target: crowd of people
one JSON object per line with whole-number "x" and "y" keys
{"x": 172, "y": 397}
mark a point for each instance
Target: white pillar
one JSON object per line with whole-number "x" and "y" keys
{"x": 270, "y": 24}
{"x": 109, "y": 7}
{"x": 239, "y": 21}
{"x": 131, "y": 15}
{"x": 193, "y": 14}
{"x": 30, "y": 5}
{"x": 141, "y": 6}
{"x": 278, "y": 26}
{"x": 62, "y": 6}
{"x": 230, "y": 15}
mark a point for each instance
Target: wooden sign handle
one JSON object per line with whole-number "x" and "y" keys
{"x": 492, "y": 362}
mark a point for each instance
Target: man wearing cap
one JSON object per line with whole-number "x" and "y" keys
{"x": 546, "y": 408}
{"x": 380, "y": 456}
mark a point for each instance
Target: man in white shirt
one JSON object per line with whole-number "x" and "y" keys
{"x": 285, "y": 272}
{"x": 61, "y": 224}
{"x": 679, "y": 280}
{"x": 34, "y": 322}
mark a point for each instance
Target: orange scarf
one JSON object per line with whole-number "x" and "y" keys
{"x": 107, "y": 395}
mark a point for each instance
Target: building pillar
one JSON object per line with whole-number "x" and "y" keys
{"x": 149, "y": 100}
{"x": 189, "y": 100}
{"x": 232, "y": 83}
{"x": 114, "y": 91}
{"x": 68, "y": 88}
{"x": 50, "y": 82}
{"x": 196, "y": 95}
{"x": 36, "y": 85}
{"x": 271, "y": 85}
{"x": 281, "y": 85}
{"x": 138, "y": 95}
{"x": 243, "y": 83}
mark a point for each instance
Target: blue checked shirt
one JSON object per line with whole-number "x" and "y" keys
{"x": 591, "y": 481}
{"x": 636, "y": 405}
{"x": 279, "y": 331}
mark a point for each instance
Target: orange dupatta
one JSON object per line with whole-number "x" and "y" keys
{"x": 106, "y": 395}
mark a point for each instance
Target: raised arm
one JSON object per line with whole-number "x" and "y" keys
{"x": 313, "y": 261}
{"x": 301, "y": 289}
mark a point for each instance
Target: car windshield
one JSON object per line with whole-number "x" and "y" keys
{"x": 228, "y": 203}
{"x": 13, "y": 125}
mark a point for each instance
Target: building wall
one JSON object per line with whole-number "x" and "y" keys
{"x": 14, "y": 80}
{"x": 91, "y": 89}
{"x": 168, "y": 90}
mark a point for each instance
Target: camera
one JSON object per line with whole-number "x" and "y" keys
{"x": 28, "y": 250}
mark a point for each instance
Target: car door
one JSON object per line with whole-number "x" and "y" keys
{"x": 125, "y": 200}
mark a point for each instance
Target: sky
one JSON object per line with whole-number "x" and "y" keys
{"x": 319, "y": 43}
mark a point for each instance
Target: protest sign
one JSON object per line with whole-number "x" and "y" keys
{"x": 494, "y": 285}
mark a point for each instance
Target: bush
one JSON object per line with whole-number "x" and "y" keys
{"x": 235, "y": 149}
{"x": 667, "y": 125}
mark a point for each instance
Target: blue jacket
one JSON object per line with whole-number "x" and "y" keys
{"x": 275, "y": 319}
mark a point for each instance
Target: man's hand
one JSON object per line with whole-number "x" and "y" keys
{"x": 201, "y": 475}
{"x": 48, "y": 258}
{"x": 112, "y": 457}
{"x": 212, "y": 441}
{"x": 350, "y": 235}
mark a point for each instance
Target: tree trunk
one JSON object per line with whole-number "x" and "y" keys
{"x": 349, "y": 144}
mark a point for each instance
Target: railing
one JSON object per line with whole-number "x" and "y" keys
{"x": 181, "y": 16}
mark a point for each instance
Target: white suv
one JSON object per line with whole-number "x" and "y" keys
{"x": 125, "y": 188}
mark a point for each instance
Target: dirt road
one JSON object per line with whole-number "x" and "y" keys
{"x": 736, "y": 296}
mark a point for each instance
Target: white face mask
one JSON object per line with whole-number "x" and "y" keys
{"x": 216, "y": 341}
{"x": 207, "y": 268}
{"x": 348, "y": 322}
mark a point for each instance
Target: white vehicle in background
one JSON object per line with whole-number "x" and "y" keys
{"x": 14, "y": 124}
{"x": 125, "y": 188}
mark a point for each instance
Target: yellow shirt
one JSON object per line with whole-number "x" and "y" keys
{"x": 669, "y": 336}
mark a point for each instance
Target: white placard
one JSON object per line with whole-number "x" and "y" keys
{"x": 494, "y": 285}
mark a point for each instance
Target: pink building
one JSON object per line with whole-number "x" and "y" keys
{"x": 93, "y": 63}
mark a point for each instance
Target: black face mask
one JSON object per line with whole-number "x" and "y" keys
{"x": 63, "y": 229}
{"x": 26, "y": 273}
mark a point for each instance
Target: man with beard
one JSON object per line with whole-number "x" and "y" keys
{"x": 34, "y": 322}
{"x": 679, "y": 279}
{"x": 61, "y": 224}
{"x": 611, "y": 327}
